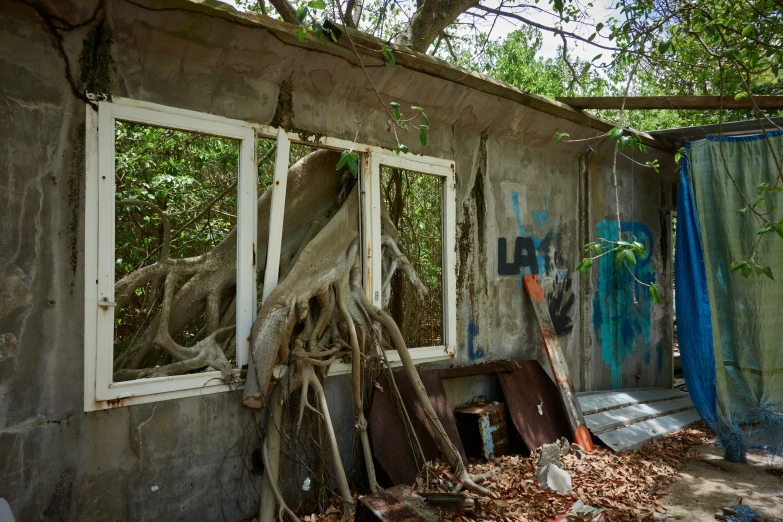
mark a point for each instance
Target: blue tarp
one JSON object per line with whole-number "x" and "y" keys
{"x": 730, "y": 328}
{"x": 694, "y": 322}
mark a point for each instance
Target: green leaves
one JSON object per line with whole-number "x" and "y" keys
{"x": 559, "y": 137}
{"x": 767, "y": 271}
{"x": 619, "y": 258}
{"x": 615, "y": 133}
{"x": 350, "y": 159}
{"x": 680, "y": 153}
{"x": 423, "y": 137}
{"x": 664, "y": 46}
{"x": 584, "y": 266}
{"x": 743, "y": 266}
{"x": 624, "y": 141}
{"x": 630, "y": 258}
{"x": 317, "y": 4}
{"x": 746, "y": 268}
{"x": 595, "y": 248}
{"x": 741, "y": 96}
{"x": 742, "y": 212}
{"x": 302, "y": 33}
{"x": 655, "y": 295}
{"x": 402, "y": 148}
{"x": 388, "y": 55}
{"x": 396, "y": 110}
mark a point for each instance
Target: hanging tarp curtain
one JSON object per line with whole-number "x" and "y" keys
{"x": 730, "y": 328}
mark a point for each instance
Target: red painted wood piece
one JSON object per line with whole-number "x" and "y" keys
{"x": 557, "y": 362}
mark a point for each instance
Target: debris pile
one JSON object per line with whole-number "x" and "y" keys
{"x": 626, "y": 486}
{"x": 605, "y": 486}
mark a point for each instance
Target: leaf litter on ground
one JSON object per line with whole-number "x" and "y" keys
{"x": 628, "y": 486}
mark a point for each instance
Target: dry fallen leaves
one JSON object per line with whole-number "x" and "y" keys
{"x": 628, "y": 485}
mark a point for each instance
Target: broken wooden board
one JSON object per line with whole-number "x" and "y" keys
{"x": 397, "y": 504}
{"x": 534, "y": 405}
{"x": 617, "y": 418}
{"x": 557, "y": 362}
{"x": 595, "y": 402}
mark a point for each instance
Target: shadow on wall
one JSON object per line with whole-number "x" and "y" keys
{"x": 621, "y": 307}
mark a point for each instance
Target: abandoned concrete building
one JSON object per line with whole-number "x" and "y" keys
{"x": 77, "y": 442}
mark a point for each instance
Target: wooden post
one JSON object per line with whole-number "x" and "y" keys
{"x": 557, "y": 363}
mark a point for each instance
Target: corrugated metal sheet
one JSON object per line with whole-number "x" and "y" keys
{"x": 628, "y": 419}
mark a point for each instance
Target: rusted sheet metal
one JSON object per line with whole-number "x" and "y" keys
{"x": 483, "y": 428}
{"x": 388, "y": 435}
{"x": 397, "y": 504}
{"x": 478, "y": 369}
{"x": 557, "y": 362}
{"x": 534, "y": 404}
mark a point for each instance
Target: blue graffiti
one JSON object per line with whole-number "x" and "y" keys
{"x": 541, "y": 218}
{"x": 486, "y": 434}
{"x": 621, "y": 307}
{"x": 475, "y": 352}
{"x": 530, "y": 254}
{"x": 515, "y": 204}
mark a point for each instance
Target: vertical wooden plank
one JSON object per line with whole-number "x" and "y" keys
{"x": 90, "y": 255}
{"x": 105, "y": 272}
{"x": 276, "y": 213}
{"x": 246, "y": 239}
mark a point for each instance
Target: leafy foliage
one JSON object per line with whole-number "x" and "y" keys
{"x": 414, "y": 204}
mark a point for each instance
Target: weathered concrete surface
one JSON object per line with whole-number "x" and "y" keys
{"x": 188, "y": 459}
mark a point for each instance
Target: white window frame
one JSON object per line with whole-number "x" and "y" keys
{"x": 372, "y": 229}
{"x": 99, "y": 390}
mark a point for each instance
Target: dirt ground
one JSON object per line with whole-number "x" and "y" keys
{"x": 709, "y": 483}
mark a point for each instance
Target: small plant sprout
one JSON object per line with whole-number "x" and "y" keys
{"x": 624, "y": 253}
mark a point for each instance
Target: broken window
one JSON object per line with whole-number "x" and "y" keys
{"x": 170, "y": 199}
{"x": 191, "y": 221}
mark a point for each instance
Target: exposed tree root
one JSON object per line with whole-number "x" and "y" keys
{"x": 317, "y": 315}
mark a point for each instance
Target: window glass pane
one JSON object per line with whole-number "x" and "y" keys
{"x": 413, "y": 202}
{"x": 190, "y": 180}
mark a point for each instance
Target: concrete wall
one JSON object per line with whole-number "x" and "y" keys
{"x": 188, "y": 459}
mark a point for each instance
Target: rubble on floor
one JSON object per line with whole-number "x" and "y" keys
{"x": 620, "y": 487}
{"x": 627, "y": 486}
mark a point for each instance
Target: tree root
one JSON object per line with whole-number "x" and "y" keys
{"x": 317, "y": 314}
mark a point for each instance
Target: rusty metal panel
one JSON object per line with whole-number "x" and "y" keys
{"x": 388, "y": 436}
{"x": 534, "y": 405}
{"x": 397, "y": 504}
{"x": 483, "y": 427}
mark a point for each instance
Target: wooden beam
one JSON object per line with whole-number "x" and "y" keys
{"x": 672, "y": 102}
